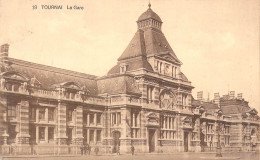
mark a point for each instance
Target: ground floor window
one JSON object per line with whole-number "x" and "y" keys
{"x": 42, "y": 133}
{"x": 98, "y": 135}
{"x": 51, "y": 133}
{"x": 91, "y": 135}
{"x": 69, "y": 135}
{"x": 227, "y": 140}
{"x": 42, "y": 114}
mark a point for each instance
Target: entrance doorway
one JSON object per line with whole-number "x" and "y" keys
{"x": 151, "y": 140}
{"x": 116, "y": 141}
{"x": 186, "y": 134}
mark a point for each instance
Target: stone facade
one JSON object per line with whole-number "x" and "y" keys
{"x": 145, "y": 101}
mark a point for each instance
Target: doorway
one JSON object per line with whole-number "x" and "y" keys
{"x": 116, "y": 141}
{"x": 186, "y": 144}
{"x": 151, "y": 140}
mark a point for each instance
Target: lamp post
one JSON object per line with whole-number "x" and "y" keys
{"x": 218, "y": 145}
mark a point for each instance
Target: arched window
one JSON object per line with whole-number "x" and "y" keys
{"x": 168, "y": 99}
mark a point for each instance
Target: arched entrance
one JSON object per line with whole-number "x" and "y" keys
{"x": 116, "y": 141}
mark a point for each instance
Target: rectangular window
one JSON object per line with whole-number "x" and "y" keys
{"x": 42, "y": 133}
{"x": 16, "y": 87}
{"x": 32, "y": 132}
{"x": 91, "y": 135}
{"x": 67, "y": 95}
{"x": 69, "y": 114}
{"x": 72, "y": 95}
{"x": 134, "y": 119}
{"x": 8, "y": 86}
{"x": 11, "y": 107}
{"x": 113, "y": 118}
{"x": 166, "y": 119}
{"x": 42, "y": 114}
{"x": 85, "y": 135}
{"x": 173, "y": 123}
{"x": 91, "y": 118}
{"x": 98, "y": 118}
{"x": 85, "y": 118}
{"x": 69, "y": 134}
{"x": 32, "y": 113}
{"x": 98, "y": 135}
{"x": 51, "y": 133}
{"x": 149, "y": 93}
{"x": 51, "y": 114}
{"x": 118, "y": 118}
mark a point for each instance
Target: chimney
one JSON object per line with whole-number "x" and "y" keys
{"x": 239, "y": 96}
{"x": 231, "y": 94}
{"x": 200, "y": 95}
{"x": 4, "y": 53}
{"x": 216, "y": 98}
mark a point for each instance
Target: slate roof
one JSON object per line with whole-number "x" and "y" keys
{"x": 183, "y": 77}
{"x": 133, "y": 65}
{"x": 117, "y": 85}
{"x": 49, "y": 76}
{"x": 136, "y": 47}
{"x": 156, "y": 43}
{"x": 146, "y": 42}
{"x": 235, "y": 109}
{"x": 149, "y": 13}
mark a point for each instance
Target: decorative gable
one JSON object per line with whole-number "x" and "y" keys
{"x": 12, "y": 75}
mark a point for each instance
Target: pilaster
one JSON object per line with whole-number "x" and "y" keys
{"x": 79, "y": 125}
{"x": 23, "y": 135}
{"x": 61, "y": 124}
{"x": 3, "y": 120}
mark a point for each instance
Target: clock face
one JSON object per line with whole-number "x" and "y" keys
{"x": 167, "y": 100}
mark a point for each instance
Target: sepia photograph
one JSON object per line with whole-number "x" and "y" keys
{"x": 129, "y": 79}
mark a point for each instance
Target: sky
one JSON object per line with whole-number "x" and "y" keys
{"x": 216, "y": 40}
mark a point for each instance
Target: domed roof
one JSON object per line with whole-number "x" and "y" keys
{"x": 149, "y": 14}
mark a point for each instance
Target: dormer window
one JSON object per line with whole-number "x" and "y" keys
{"x": 123, "y": 68}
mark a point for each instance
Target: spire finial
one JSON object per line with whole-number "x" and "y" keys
{"x": 149, "y": 5}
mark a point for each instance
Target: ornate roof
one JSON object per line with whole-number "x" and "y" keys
{"x": 149, "y": 13}
{"x": 49, "y": 76}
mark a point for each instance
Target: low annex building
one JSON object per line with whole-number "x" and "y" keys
{"x": 145, "y": 100}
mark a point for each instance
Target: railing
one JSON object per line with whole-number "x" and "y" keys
{"x": 45, "y": 93}
{"x": 125, "y": 100}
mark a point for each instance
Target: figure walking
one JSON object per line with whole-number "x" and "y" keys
{"x": 118, "y": 150}
{"x": 96, "y": 150}
{"x": 133, "y": 149}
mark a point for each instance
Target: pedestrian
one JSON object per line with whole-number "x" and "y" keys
{"x": 210, "y": 145}
{"x": 133, "y": 149}
{"x": 96, "y": 150}
{"x": 85, "y": 149}
{"x": 89, "y": 149}
{"x": 118, "y": 150}
{"x": 82, "y": 149}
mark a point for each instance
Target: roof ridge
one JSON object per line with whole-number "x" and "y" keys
{"x": 51, "y": 69}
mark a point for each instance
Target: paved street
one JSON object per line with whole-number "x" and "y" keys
{"x": 177, "y": 156}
